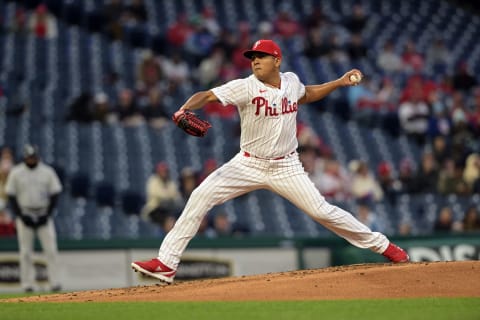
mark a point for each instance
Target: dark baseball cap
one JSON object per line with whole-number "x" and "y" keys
{"x": 264, "y": 46}
{"x": 30, "y": 150}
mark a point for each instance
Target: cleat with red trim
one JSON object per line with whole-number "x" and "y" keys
{"x": 396, "y": 254}
{"x": 156, "y": 269}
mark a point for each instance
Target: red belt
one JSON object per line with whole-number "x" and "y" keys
{"x": 246, "y": 154}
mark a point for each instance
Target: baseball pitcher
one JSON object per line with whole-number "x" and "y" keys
{"x": 267, "y": 101}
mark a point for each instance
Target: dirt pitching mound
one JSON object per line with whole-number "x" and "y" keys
{"x": 367, "y": 281}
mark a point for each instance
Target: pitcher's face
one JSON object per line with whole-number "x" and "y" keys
{"x": 264, "y": 65}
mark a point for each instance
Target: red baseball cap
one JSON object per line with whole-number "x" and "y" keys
{"x": 384, "y": 168}
{"x": 264, "y": 46}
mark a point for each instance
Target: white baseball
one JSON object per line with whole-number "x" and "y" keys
{"x": 355, "y": 78}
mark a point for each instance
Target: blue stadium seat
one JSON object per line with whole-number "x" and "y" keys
{"x": 79, "y": 185}
{"x": 105, "y": 194}
{"x": 132, "y": 202}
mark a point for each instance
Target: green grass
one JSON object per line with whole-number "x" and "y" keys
{"x": 392, "y": 309}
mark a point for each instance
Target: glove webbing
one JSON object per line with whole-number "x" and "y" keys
{"x": 199, "y": 124}
{"x": 194, "y": 124}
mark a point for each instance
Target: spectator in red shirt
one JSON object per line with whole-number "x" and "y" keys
{"x": 412, "y": 59}
{"x": 178, "y": 33}
{"x": 42, "y": 23}
{"x": 285, "y": 25}
{"x": 418, "y": 82}
{"x": 241, "y": 64}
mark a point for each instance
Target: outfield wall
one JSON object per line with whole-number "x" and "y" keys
{"x": 94, "y": 264}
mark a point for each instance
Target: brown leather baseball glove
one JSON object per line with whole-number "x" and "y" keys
{"x": 191, "y": 123}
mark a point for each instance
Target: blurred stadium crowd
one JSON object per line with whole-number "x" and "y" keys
{"x": 93, "y": 83}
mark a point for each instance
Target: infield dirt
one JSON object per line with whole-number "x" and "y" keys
{"x": 366, "y": 281}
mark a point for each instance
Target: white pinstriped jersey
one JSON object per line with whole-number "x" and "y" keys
{"x": 32, "y": 187}
{"x": 267, "y": 115}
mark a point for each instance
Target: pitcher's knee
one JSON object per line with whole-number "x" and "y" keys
{"x": 323, "y": 211}
{"x": 201, "y": 194}
{"x": 199, "y": 203}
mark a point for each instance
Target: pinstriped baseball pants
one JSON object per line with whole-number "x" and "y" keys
{"x": 285, "y": 177}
